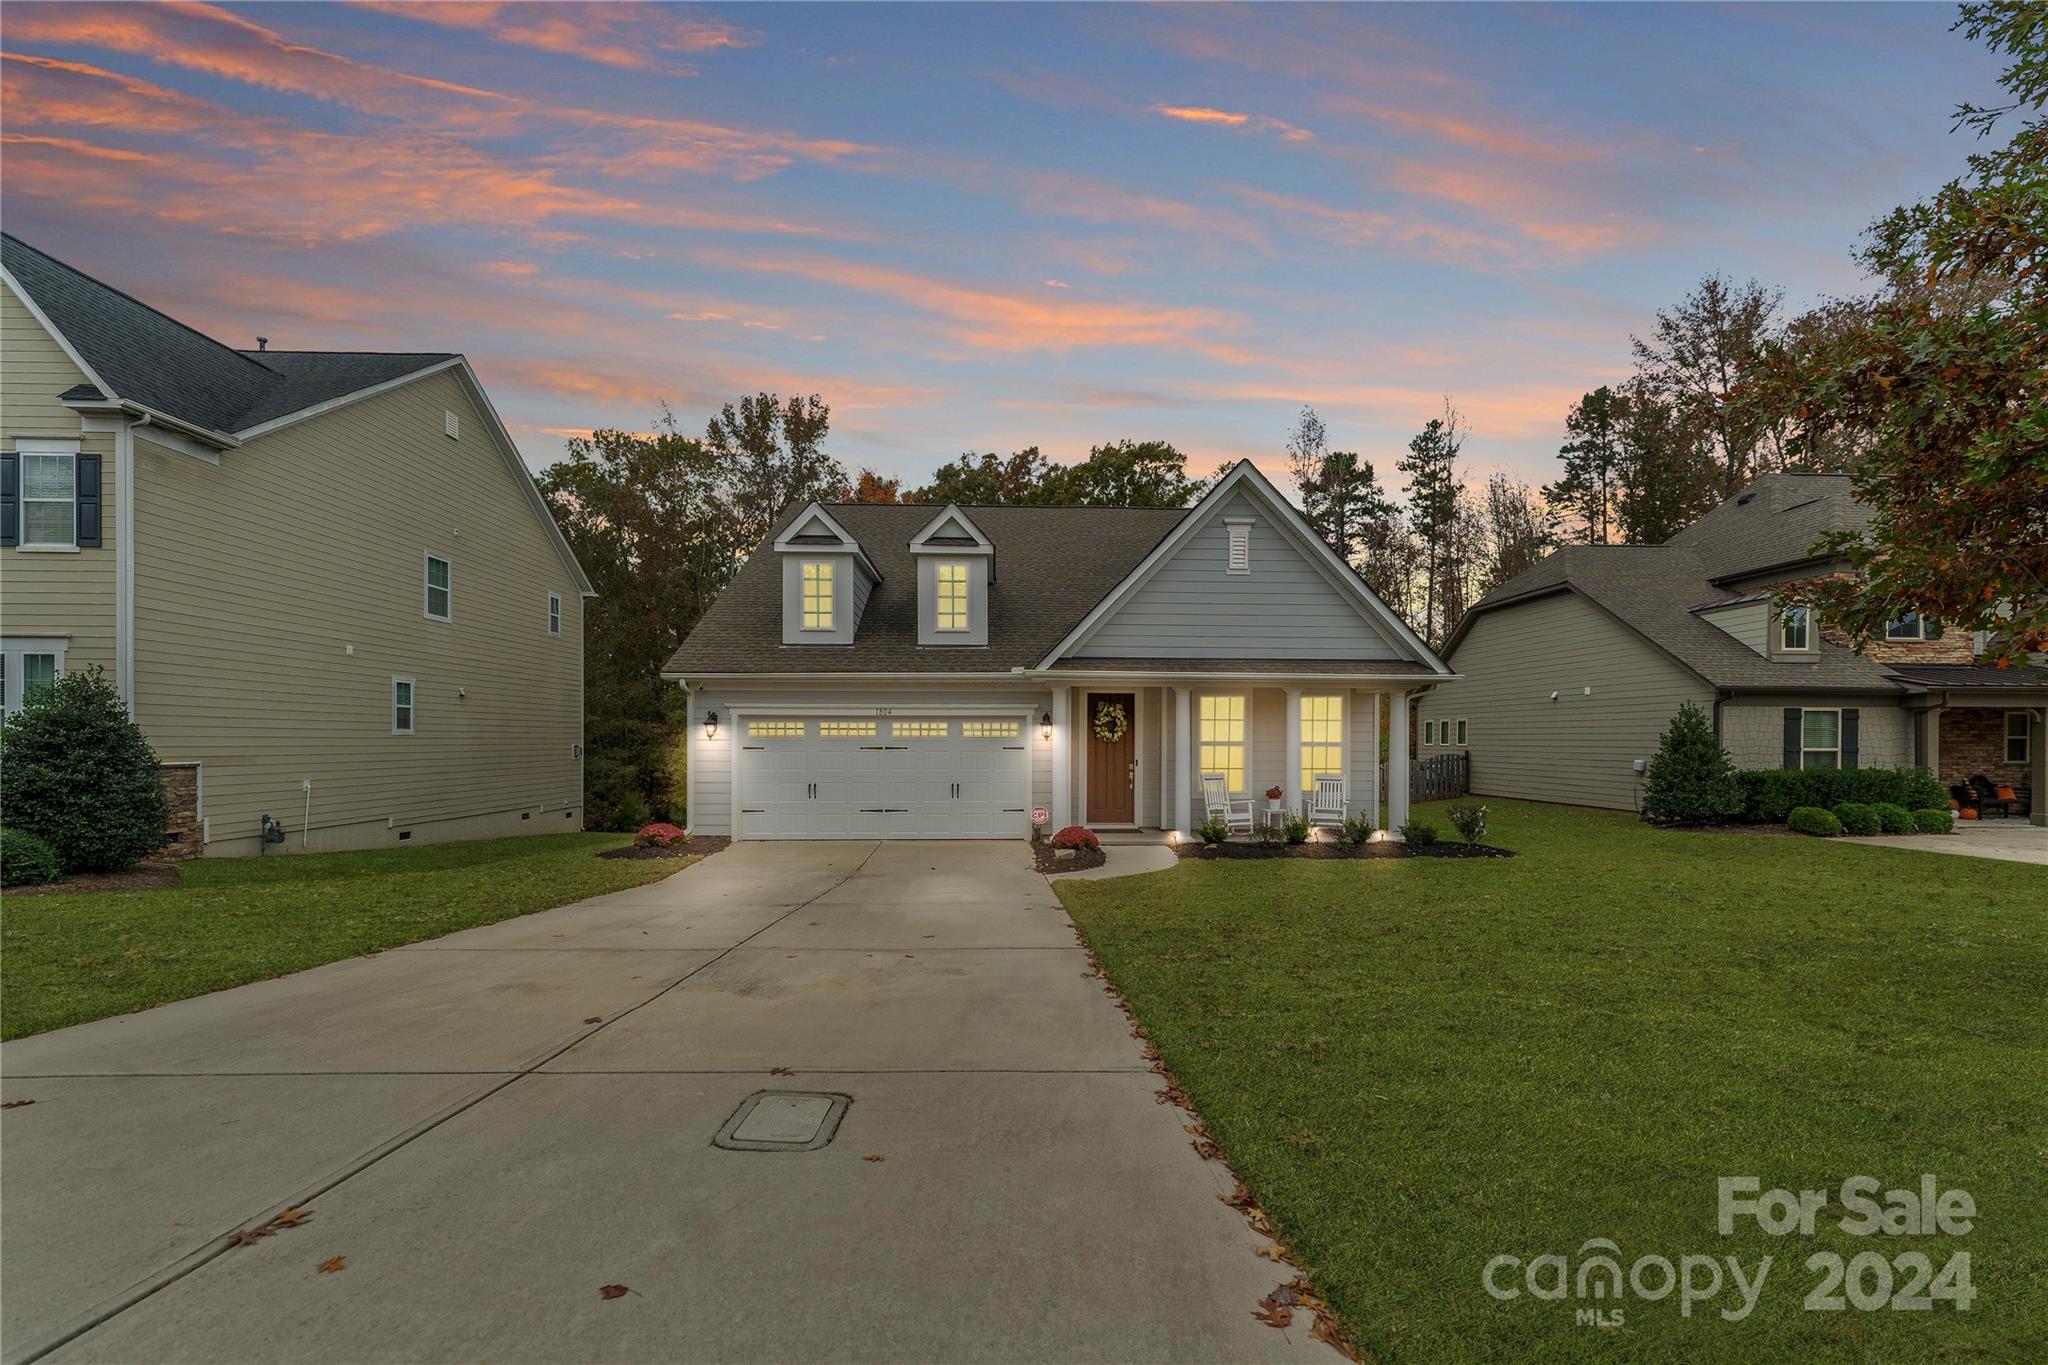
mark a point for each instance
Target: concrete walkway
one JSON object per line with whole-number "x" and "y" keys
{"x": 2012, "y": 841}
{"x": 485, "y": 1158}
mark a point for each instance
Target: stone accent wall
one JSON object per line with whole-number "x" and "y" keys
{"x": 1952, "y": 648}
{"x": 181, "y": 791}
{"x": 1973, "y": 741}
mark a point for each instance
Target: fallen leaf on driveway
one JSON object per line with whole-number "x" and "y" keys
{"x": 781, "y": 1071}
{"x": 332, "y": 1264}
{"x": 1271, "y": 1252}
{"x": 248, "y": 1236}
{"x": 15, "y": 1104}
{"x": 874, "y": 1156}
{"x": 1273, "y": 1314}
{"x": 291, "y": 1218}
{"x": 595, "y": 1019}
{"x": 614, "y": 1291}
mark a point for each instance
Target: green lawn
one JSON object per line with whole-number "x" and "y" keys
{"x": 65, "y": 959}
{"x": 1418, "y": 1065}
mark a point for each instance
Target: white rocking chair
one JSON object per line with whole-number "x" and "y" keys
{"x": 1235, "y": 809}
{"x": 1325, "y": 800}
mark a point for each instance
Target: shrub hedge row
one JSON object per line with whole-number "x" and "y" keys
{"x": 1769, "y": 795}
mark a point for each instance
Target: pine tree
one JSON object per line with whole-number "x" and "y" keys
{"x": 1690, "y": 780}
{"x": 1593, "y": 459}
{"x": 1339, "y": 495}
{"x": 1433, "y": 512}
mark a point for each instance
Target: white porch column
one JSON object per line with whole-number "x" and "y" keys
{"x": 1371, "y": 804}
{"x": 1397, "y": 760}
{"x": 1292, "y": 784}
{"x": 1165, "y": 760}
{"x": 1183, "y": 761}
{"x": 1062, "y": 759}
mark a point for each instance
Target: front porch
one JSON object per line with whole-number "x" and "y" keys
{"x": 1981, "y": 722}
{"x": 1130, "y": 749}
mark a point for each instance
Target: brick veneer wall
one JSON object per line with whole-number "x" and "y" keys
{"x": 1973, "y": 741}
{"x": 181, "y": 792}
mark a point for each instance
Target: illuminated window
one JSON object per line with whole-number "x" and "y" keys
{"x": 990, "y": 729}
{"x": 847, "y": 729}
{"x": 1322, "y": 739}
{"x": 952, "y": 599}
{"x": 775, "y": 729}
{"x": 920, "y": 729}
{"x": 817, "y": 594}
{"x": 1222, "y": 740}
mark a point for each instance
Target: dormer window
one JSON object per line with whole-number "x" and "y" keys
{"x": 951, "y": 596}
{"x": 817, "y": 581}
{"x": 1912, "y": 626}
{"x": 1793, "y": 630}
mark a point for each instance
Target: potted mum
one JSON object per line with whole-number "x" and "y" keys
{"x": 1273, "y": 800}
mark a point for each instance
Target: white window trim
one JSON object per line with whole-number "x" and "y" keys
{"x": 2025, "y": 736}
{"x": 412, "y": 706}
{"x": 1345, "y": 702}
{"x": 1195, "y": 704}
{"x": 1237, "y": 536}
{"x": 830, "y": 578}
{"x": 1462, "y": 742}
{"x": 554, "y": 613}
{"x": 13, "y": 647}
{"x": 427, "y": 585}
{"x": 1805, "y": 748}
{"x": 939, "y": 598}
{"x": 1428, "y": 733}
{"x": 1806, "y": 626}
{"x": 1919, "y": 630}
{"x": 67, "y": 450}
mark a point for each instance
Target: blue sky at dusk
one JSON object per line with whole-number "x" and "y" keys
{"x": 980, "y": 227}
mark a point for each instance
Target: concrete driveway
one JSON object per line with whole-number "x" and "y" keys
{"x": 485, "y": 1158}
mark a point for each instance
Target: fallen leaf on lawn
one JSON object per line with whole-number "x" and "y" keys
{"x": 291, "y": 1218}
{"x": 15, "y": 1104}
{"x": 614, "y": 1291}
{"x": 249, "y": 1235}
{"x": 332, "y": 1264}
{"x": 874, "y": 1156}
{"x": 595, "y": 1019}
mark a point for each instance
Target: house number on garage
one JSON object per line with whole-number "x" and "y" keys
{"x": 885, "y": 710}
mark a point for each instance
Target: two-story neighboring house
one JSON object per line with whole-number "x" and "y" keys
{"x": 924, "y": 672}
{"x": 323, "y": 581}
{"x": 1572, "y": 669}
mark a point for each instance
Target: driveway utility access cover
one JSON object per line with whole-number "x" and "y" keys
{"x": 782, "y": 1121}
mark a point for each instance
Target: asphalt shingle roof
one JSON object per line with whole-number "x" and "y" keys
{"x": 1776, "y": 520}
{"x": 153, "y": 359}
{"x": 1053, "y": 564}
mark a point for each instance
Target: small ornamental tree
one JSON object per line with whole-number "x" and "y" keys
{"x": 1690, "y": 781}
{"x": 78, "y": 774}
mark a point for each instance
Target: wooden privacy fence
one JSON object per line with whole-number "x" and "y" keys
{"x": 1436, "y": 778}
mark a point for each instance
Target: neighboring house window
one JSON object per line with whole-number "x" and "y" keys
{"x": 1912, "y": 626}
{"x": 440, "y": 589}
{"x": 554, "y": 614}
{"x": 1429, "y": 732}
{"x": 1240, "y": 550}
{"x": 1222, "y": 740}
{"x": 1820, "y": 739}
{"x": 26, "y": 668}
{"x": 952, "y": 604}
{"x": 817, "y": 594}
{"x": 401, "y": 706}
{"x": 1461, "y": 734}
{"x": 1322, "y": 739}
{"x": 49, "y": 501}
{"x": 1792, "y": 629}
{"x": 2016, "y": 736}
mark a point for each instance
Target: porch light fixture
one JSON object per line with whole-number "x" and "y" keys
{"x": 1045, "y": 726}
{"x": 711, "y": 725}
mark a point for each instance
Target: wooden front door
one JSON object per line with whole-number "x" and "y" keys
{"x": 1112, "y": 763}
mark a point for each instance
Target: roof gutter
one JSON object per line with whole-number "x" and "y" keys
{"x": 150, "y": 417}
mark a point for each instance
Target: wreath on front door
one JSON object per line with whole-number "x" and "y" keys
{"x": 1111, "y": 722}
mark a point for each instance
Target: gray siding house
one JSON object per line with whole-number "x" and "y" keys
{"x": 885, "y": 671}
{"x": 1569, "y": 672}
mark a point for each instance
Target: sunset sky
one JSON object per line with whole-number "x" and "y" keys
{"x": 979, "y": 227}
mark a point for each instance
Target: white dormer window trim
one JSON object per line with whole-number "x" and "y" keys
{"x": 1239, "y": 559}
{"x": 1795, "y": 630}
{"x": 816, "y": 589}
{"x": 950, "y": 598}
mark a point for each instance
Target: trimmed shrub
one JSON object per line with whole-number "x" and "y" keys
{"x": 1690, "y": 780}
{"x": 660, "y": 835}
{"x": 78, "y": 774}
{"x": 1858, "y": 819}
{"x": 1358, "y": 829}
{"x": 1420, "y": 833}
{"x": 1469, "y": 820}
{"x": 1769, "y": 795}
{"x": 1934, "y": 820}
{"x": 1271, "y": 833}
{"x": 1813, "y": 820}
{"x": 1296, "y": 829}
{"x": 1077, "y": 836}
{"x": 26, "y": 860}
{"x": 1893, "y": 818}
{"x": 1213, "y": 830}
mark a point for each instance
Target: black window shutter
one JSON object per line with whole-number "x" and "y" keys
{"x": 1848, "y": 736}
{"x": 88, "y": 500}
{"x": 1793, "y": 717}
{"x": 10, "y": 499}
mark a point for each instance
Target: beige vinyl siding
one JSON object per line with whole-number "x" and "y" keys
{"x": 279, "y": 592}
{"x": 1577, "y": 750}
{"x": 1750, "y": 623}
{"x": 1753, "y": 730}
{"x": 41, "y": 593}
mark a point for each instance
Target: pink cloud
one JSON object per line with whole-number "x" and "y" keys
{"x": 1190, "y": 113}
{"x": 633, "y": 37}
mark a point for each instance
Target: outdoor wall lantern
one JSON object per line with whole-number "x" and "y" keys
{"x": 1045, "y": 726}
{"x": 711, "y": 725}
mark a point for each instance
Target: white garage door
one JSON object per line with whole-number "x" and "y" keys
{"x": 890, "y": 777}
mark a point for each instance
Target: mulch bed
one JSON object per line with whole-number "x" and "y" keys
{"x": 688, "y": 848}
{"x": 1081, "y": 859}
{"x": 143, "y": 877}
{"x": 1387, "y": 849}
